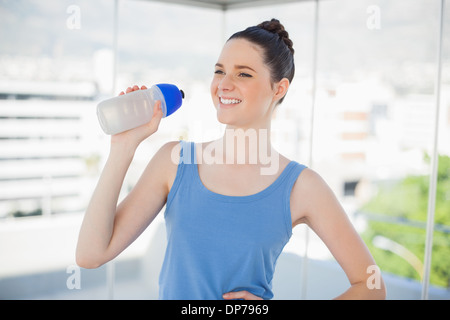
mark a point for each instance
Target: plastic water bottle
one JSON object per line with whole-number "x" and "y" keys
{"x": 134, "y": 109}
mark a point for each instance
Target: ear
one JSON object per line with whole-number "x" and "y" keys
{"x": 281, "y": 89}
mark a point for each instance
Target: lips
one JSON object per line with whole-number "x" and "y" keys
{"x": 229, "y": 101}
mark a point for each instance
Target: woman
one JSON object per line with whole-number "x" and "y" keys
{"x": 227, "y": 219}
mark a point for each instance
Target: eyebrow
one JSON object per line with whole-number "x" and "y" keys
{"x": 237, "y": 66}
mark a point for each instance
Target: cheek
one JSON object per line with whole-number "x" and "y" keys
{"x": 213, "y": 91}
{"x": 259, "y": 97}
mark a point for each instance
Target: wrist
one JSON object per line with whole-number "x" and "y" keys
{"x": 122, "y": 149}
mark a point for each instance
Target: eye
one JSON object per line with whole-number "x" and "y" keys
{"x": 219, "y": 72}
{"x": 244, "y": 75}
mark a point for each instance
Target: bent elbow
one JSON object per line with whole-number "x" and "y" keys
{"x": 382, "y": 292}
{"x": 87, "y": 262}
{"x": 377, "y": 292}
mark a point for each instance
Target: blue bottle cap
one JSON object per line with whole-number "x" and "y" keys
{"x": 172, "y": 95}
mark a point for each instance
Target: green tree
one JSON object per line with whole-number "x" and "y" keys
{"x": 399, "y": 212}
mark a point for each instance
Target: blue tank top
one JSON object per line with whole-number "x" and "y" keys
{"x": 217, "y": 243}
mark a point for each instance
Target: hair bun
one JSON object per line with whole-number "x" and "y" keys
{"x": 274, "y": 26}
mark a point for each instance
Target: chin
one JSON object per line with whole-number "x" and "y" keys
{"x": 226, "y": 119}
{"x": 231, "y": 116}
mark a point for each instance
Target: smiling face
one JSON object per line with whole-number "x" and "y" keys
{"x": 241, "y": 89}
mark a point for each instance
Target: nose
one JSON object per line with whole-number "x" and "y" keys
{"x": 226, "y": 83}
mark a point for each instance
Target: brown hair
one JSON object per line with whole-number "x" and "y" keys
{"x": 278, "y": 51}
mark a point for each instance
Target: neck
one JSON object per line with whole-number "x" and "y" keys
{"x": 246, "y": 145}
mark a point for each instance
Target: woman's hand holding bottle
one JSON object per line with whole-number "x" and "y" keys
{"x": 132, "y": 138}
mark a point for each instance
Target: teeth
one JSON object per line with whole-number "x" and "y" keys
{"x": 230, "y": 101}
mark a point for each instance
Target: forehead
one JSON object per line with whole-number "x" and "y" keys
{"x": 241, "y": 52}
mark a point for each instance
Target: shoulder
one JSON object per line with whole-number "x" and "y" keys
{"x": 168, "y": 155}
{"x": 309, "y": 189}
{"x": 170, "y": 152}
{"x": 307, "y": 181}
{"x": 163, "y": 165}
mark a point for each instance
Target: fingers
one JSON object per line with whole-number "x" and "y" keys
{"x": 137, "y": 135}
{"x": 157, "y": 111}
{"x": 153, "y": 124}
{"x": 131, "y": 89}
{"x": 157, "y": 116}
{"x": 240, "y": 295}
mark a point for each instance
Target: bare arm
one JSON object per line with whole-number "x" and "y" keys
{"x": 313, "y": 203}
{"x": 107, "y": 229}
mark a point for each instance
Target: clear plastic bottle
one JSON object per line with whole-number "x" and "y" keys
{"x": 133, "y": 109}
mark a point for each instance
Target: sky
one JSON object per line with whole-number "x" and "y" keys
{"x": 71, "y": 40}
{"x": 178, "y": 34}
